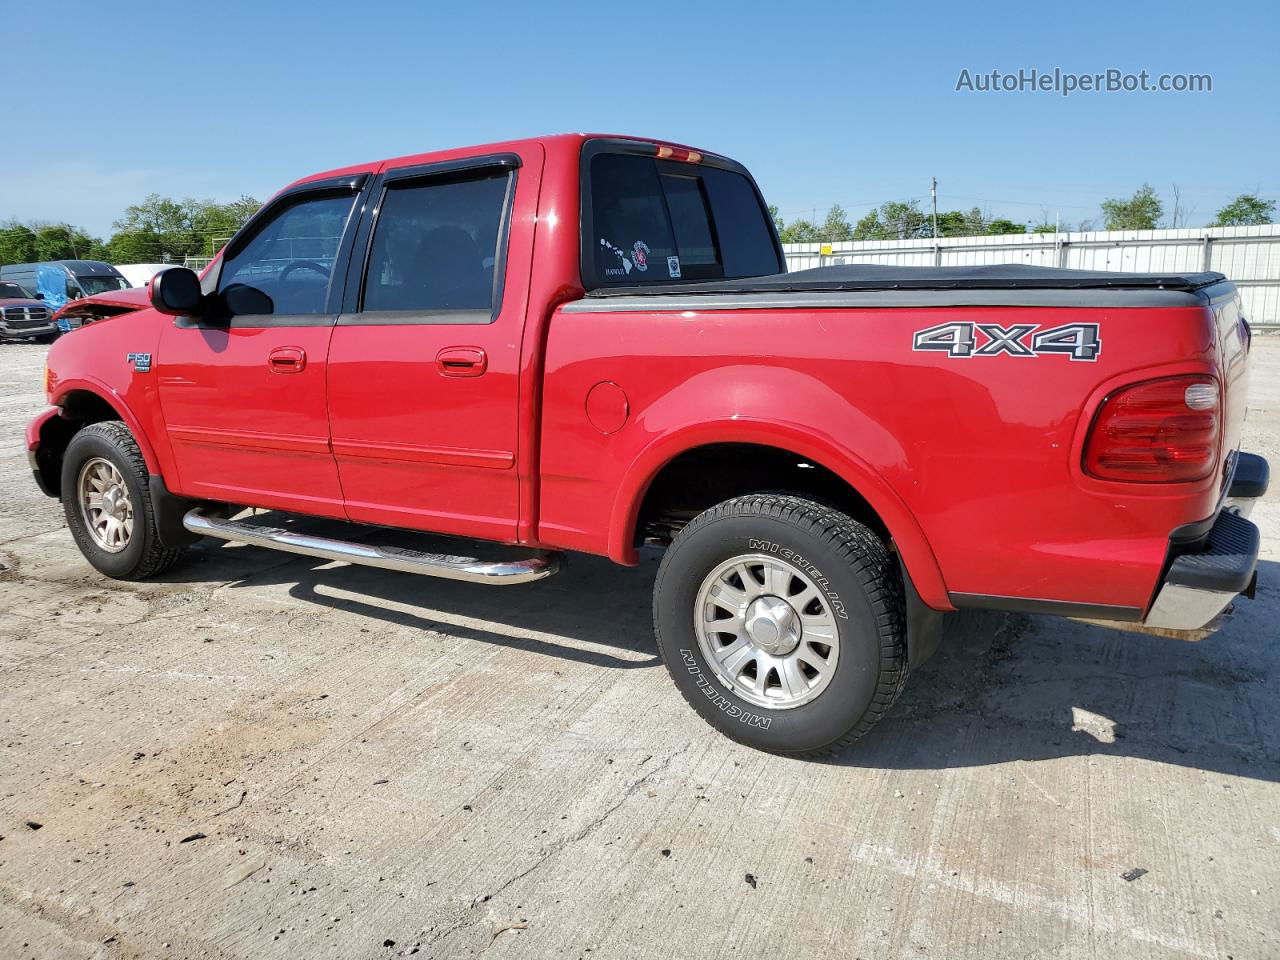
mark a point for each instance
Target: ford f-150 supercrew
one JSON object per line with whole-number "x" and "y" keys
{"x": 590, "y": 343}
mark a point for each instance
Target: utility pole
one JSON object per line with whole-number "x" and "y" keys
{"x": 933, "y": 190}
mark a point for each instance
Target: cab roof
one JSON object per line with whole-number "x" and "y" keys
{"x": 455, "y": 153}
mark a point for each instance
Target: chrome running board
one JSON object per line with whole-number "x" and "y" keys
{"x": 441, "y": 565}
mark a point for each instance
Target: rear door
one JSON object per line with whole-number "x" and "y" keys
{"x": 424, "y": 366}
{"x": 244, "y": 391}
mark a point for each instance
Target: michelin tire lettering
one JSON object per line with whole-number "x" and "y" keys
{"x": 768, "y": 546}
{"x": 718, "y": 699}
{"x": 1079, "y": 341}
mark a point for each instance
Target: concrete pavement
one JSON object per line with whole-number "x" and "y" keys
{"x": 265, "y": 756}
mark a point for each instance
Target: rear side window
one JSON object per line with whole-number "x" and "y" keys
{"x": 437, "y": 245}
{"x": 659, "y": 221}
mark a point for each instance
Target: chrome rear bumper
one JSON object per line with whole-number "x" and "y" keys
{"x": 1200, "y": 585}
{"x": 1248, "y": 483}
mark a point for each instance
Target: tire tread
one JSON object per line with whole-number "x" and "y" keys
{"x": 156, "y": 558}
{"x": 873, "y": 565}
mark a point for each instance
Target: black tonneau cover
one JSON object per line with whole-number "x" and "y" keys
{"x": 873, "y": 277}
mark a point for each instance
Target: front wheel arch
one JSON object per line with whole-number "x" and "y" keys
{"x": 77, "y": 409}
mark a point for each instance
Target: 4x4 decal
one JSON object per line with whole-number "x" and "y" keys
{"x": 1079, "y": 341}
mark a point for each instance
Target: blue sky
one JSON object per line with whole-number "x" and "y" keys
{"x": 850, "y": 102}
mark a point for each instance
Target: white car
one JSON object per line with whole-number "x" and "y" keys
{"x": 140, "y": 274}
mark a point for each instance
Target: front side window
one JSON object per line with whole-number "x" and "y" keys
{"x": 437, "y": 245}
{"x": 659, "y": 221}
{"x": 286, "y": 267}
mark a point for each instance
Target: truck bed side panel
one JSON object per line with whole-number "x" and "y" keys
{"x": 984, "y": 451}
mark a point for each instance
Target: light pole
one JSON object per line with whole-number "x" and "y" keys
{"x": 933, "y": 190}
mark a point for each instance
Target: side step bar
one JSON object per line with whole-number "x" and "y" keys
{"x": 442, "y": 565}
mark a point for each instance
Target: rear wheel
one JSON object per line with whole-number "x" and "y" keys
{"x": 781, "y": 621}
{"x": 107, "y": 501}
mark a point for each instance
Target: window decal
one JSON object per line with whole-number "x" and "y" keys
{"x": 640, "y": 255}
{"x": 625, "y": 261}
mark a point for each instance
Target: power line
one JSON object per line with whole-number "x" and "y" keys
{"x": 1024, "y": 203}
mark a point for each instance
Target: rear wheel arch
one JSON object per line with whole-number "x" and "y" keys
{"x": 860, "y": 491}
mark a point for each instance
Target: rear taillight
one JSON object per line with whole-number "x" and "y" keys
{"x": 1160, "y": 431}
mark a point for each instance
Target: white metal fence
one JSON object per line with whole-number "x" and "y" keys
{"x": 1250, "y": 256}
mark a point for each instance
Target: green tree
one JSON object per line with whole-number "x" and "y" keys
{"x": 960, "y": 223}
{"x": 800, "y": 231}
{"x": 61, "y": 241}
{"x": 134, "y": 246}
{"x": 952, "y": 223}
{"x": 869, "y": 227}
{"x": 17, "y": 242}
{"x": 33, "y": 242}
{"x": 162, "y": 228}
{"x": 1246, "y": 210}
{"x": 212, "y": 224}
{"x": 836, "y": 227}
{"x": 895, "y": 220}
{"x": 1142, "y": 211}
{"x": 1000, "y": 226}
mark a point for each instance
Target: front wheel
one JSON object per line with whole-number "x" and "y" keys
{"x": 107, "y": 501}
{"x": 782, "y": 623}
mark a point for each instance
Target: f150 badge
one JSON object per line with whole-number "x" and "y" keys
{"x": 1079, "y": 341}
{"x": 141, "y": 362}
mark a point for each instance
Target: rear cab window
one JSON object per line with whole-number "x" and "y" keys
{"x": 651, "y": 220}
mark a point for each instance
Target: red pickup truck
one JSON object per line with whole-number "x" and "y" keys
{"x": 590, "y": 343}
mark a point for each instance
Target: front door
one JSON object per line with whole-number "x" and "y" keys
{"x": 424, "y": 366}
{"x": 243, "y": 390}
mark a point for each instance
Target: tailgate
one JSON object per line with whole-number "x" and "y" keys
{"x": 1233, "y": 354}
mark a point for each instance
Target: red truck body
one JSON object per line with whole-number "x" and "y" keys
{"x": 557, "y": 424}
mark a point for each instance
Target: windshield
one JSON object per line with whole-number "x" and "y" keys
{"x": 95, "y": 285}
{"x": 12, "y": 291}
{"x": 657, "y": 221}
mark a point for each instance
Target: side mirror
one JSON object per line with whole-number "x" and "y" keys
{"x": 243, "y": 300}
{"x": 176, "y": 292}
{"x": 39, "y": 296}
